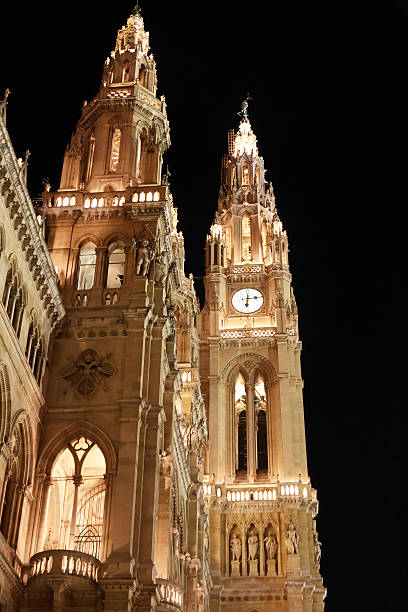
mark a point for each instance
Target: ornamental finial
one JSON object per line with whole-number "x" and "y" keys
{"x": 244, "y": 108}
{"x": 137, "y": 10}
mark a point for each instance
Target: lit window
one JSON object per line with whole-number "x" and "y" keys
{"x": 87, "y": 261}
{"x": 116, "y": 266}
{"x": 115, "y": 150}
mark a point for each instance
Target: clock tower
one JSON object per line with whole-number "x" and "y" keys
{"x": 264, "y": 547}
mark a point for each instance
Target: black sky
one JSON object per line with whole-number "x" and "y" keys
{"x": 330, "y": 96}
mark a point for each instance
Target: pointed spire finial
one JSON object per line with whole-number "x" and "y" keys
{"x": 244, "y": 108}
{"x": 137, "y": 10}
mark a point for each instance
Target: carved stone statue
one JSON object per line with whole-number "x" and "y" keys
{"x": 317, "y": 548}
{"x": 292, "y": 539}
{"x": 144, "y": 257}
{"x": 236, "y": 548}
{"x": 160, "y": 272}
{"x": 252, "y": 546}
{"x": 271, "y": 546}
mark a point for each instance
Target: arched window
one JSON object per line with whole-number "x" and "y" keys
{"x": 116, "y": 265}
{"x": 258, "y": 176}
{"x": 87, "y": 262}
{"x": 240, "y": 406}
{"x": 260, "y": 416}
{"x": 125, "y": 72}
{"x": 91, "y": 153}
{"x": 13, "y": 495}
{"x": 75, "y": 512}
{"x": 142, "y": 76}
{"x": 246, "y": 237}
{"x": 245, "y": 174}
{"x": 115, "y": 150}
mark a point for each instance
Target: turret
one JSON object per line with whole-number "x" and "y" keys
{"x": 123, "y": 132}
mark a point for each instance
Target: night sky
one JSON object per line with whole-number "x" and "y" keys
{"x": 329, "y": 88}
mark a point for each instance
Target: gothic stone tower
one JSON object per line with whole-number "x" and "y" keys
{"x": 117, "y": 516}
{"x": 264, "y": 549}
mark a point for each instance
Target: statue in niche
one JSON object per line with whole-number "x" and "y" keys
{"x": 292, "y": 539}
{"x": 317, "y": 548}
{"x": 253, "y": 544}
{"x": 271, "y": 546}
{"x": 160, "y": 272}
{"x": 144, "y": 257}
{"x": 236, "y": 548}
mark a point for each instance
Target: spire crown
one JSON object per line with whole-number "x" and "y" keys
{"x": 245, "y": 139}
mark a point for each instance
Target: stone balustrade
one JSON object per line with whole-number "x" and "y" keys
{"x": 259, "y": 494}
{"x": 65, "y": 562}
{"x": 170, "y": 593}
{"x": 111, "y": 199}
{"x": 260, "y": 332}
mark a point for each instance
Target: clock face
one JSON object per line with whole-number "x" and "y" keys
{"x": 247, "y": 300}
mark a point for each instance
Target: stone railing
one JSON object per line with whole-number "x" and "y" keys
{"x": 170, "y": 593}
{"x": 105, "y": 199}
{"x": 65, "y": 562}
{"x": 246, "y": 269}
{"x": 260, "y": 332}
{"x": 293, "y": 491}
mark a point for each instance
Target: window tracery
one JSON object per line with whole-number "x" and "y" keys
{"x": 75, "y": 512}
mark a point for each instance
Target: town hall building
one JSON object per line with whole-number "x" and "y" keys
{"x": 152, "y": 452}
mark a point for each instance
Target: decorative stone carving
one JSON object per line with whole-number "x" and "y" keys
{"x": 88, "y": 371}
{"x": 161, "y": 268}
{"x": 253, "y": 544}
{"x": 292, "y": 539}
{"x": 317, "y": 546}
{"x": 236, "y": 547}
{"x": 144, "y": 257}
{"x": 271, "y": 547}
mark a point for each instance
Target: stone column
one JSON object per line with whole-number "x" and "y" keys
{"x": 101, "y": 266}
{"x": 261, "y": 551}
{"x": 145, "y": 565}
{"x": 77, "y": 482}
{"x": 244, "y": 552}
{"x": 118, "y": 534}
{"x": 46, "y": 491}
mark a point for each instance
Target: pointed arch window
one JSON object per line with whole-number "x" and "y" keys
{"x": 13, "y": 498}
{"x": 116, "y": 265}
{"x": 250, "y": 448}
{"x": 142, "y": 76}
{"x": 125, "y": 72}
{"x": 74, "y": 516}
{"x": 260, "y": 416}
{"x": 246, "y": 237}
{"x": 115, "y": 150}
{"x": 245, "y": 174}
{"x": 91, "y": 153}
{"x": 87, "y": 264}
{"x": 240, "y": 407}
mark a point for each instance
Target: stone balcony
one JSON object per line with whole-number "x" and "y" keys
{"x": 73, "y": 199}
{"x": 58, "y": 563}
{"x": 170, "y": 594}
{"x": 62, "y": 580}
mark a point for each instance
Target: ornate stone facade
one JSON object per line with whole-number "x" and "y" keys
{"x": 264, "y": 550}
{"x": 152, "y": 456}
